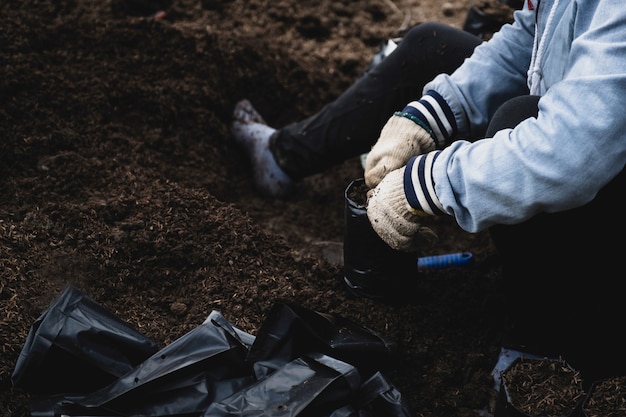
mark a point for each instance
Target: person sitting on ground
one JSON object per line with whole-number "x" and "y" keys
{"x": 522, "y": 135}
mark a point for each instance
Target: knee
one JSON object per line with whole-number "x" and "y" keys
{"x": 423, "y": 31}
{"x": 512, "y": 113}
{"x": 443, "y": 46}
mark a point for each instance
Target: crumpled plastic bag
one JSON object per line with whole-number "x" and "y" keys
{"x": 202, "y": 366}
{"x": 302, "y": 363}
{"x": 312, "y": 385}
{"x": 290, "y": 331}
{"x": 77, "y": 346}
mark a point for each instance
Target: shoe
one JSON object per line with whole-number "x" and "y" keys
{"x": 252, "y": 134}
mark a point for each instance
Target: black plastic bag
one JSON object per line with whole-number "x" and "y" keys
{"x": 373, "y": 269}
{"x": 290, "y": 331}
{"x": 379, "y": 397}
{"x": 376, "y": 397}
{"x": 303, "y": 363}
{"x": 310, "y": 386}
{"x": 205, "y": 365}
{"x": 77, "y": 346}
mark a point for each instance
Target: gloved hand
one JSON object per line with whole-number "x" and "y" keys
{"x": 393, "y": 219}
{"x": 400, "y": 139}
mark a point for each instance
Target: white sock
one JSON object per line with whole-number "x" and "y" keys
{"x": 252, "y": 133}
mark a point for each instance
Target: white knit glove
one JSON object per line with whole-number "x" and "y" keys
{"x": 400, "y": 139}
{"x": 393, "y": 219}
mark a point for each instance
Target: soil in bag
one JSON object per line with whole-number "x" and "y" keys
{"x": 373, "y": 269}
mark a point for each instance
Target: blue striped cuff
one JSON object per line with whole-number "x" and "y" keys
{"x": 419, "y": 186}
{"x": 433, "y": 111}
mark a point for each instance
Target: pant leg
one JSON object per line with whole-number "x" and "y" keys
{"x": 350, "y": 125}
{"x": 562, "y": 274}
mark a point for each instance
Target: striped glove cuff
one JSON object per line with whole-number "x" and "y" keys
{"x": 419, "y": 186}
{"x": 433, "y": 114}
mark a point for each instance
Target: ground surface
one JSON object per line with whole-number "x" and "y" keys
{"x": 117, "y": 174}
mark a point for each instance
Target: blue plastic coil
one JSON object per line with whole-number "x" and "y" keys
{"x": 444, "y": 261}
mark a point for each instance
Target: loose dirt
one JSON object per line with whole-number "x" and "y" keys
{"x": 118, "y": 175}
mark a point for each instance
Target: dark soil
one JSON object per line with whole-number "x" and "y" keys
{"x": 118, "y": 175}
{"x": 543, "y": 387}
{"x": 606, "y": 398}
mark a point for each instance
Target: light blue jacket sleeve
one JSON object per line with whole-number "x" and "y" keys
{"x": 576, "y": 145}
{"x": 494, "y": 73}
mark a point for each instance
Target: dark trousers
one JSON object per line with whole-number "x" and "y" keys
{"x": 350, "y": 125}
{"x": 563, "y": 273}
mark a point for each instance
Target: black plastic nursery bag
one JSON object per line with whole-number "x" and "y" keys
{"x": 205, "y": 365}
{"x": 81, "y": 361}
{"x": 379, "y": 397}
{"x": 310, "y": 386}
{"x": 372, "y": 269}
{"x": 77, "y": 346}
{"x": 291, "y": 331}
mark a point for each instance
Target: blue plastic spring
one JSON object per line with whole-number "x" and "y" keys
{"x": 444, "y": 261}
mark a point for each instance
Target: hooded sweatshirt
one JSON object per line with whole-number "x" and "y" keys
{"x": 572, "y": 53}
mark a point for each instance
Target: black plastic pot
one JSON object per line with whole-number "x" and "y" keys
{"x": 372, "y": 268}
